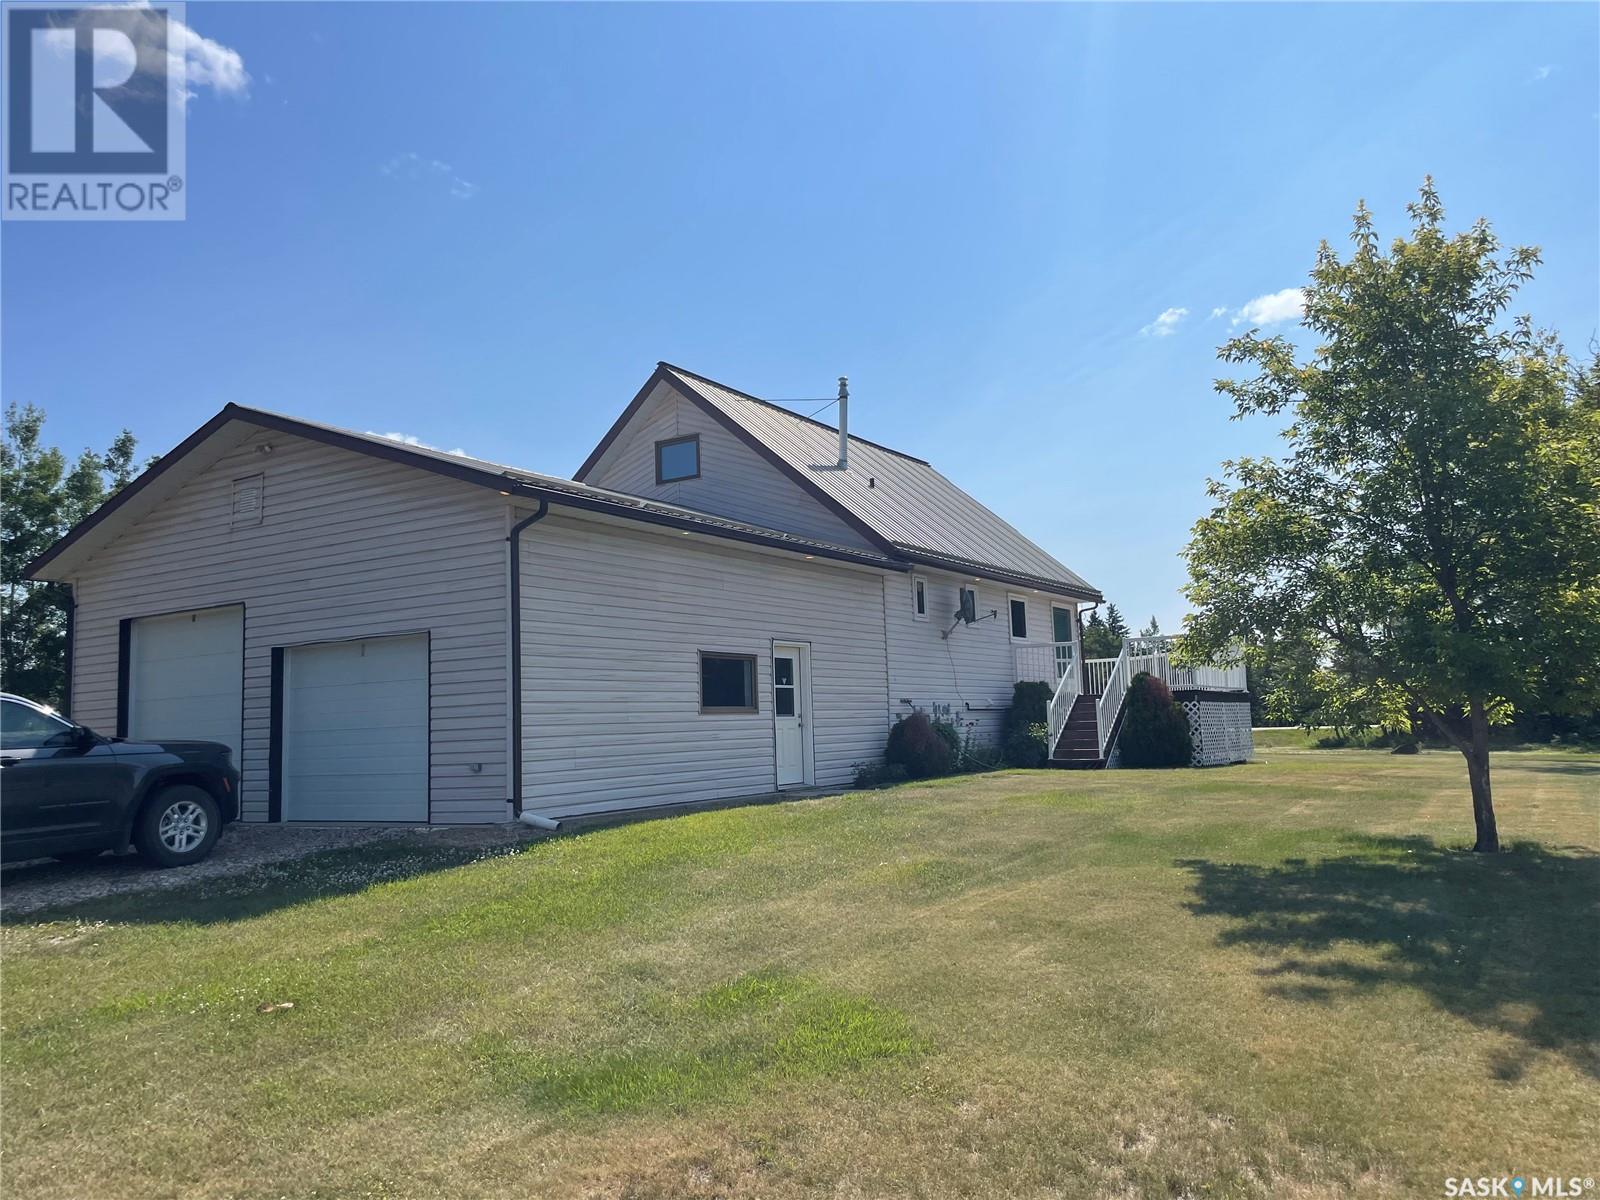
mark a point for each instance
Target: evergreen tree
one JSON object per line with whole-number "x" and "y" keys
{"x": 1098, "y": 641}
{"x": 1115, "y": 625}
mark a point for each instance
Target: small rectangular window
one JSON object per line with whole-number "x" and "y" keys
{"x": 246, "y": 501}
{"x": 783, "y": 686}
{"x": 727, "y": 683}
{"x": 1019, "y": 619}
{"x": 919, "y": 597}
{"x": 678, "y": 458}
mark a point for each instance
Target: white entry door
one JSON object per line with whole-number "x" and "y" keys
{"x": 791, "y": 697}
{"x": 355, "y": 730}
{"x": 186, "y": 677}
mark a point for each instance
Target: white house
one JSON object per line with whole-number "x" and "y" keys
{"x": 728, "y": 599}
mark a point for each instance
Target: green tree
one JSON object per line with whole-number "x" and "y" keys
{"x": 1433, "y": 533}
{"x": 1151, "y": 630}
{"x": 1117, "y": 627}
{"x": 42, "y": 495}
{"x": 1098, "y": 640}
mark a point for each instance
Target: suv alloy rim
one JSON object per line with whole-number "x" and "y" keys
{"x": 182, "y": 827}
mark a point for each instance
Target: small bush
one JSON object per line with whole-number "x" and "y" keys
{"x": 952, "y": 738}
{"x": 1028, "y": 747}
{"x": 917, "y": 748}
{"x": 1030, "y": 705}
{"x": 1155, "y": 732}
{"x": 1025, "y": 732}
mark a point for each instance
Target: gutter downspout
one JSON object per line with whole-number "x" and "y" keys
{"x": 72, "y": 638}
{"x": 515, "y": 539}
{"x": 1083, "y": 661}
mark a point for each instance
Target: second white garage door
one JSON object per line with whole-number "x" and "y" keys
{"x": 355, "y": 731}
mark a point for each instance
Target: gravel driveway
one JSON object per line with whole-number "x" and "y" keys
{"x": 243, "y": 847}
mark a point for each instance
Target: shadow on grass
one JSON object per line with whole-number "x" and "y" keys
{"x": 262, "y": 888}
{"x": 1505, "y": 941}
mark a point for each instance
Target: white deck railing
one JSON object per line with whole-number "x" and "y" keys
{"x": 1109, "y": 677}
{"x": 1061, "y": 705}
{"x": 1043, "y": 662}
{"x": 1109, "y": 704}
{"x": 1154, "y": 655}
{"x": 1096, "y": 671}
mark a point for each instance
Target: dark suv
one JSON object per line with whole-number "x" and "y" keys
{"x": 68, "y": 793}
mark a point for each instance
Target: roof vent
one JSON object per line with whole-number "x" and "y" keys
{"x": 246, "y": 501}
{"x": 844, "y": 422}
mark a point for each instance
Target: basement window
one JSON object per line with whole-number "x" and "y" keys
{"x": 247, "y": 496}
{"x": 727, "y": 683}
{"x": 678, "y": 458}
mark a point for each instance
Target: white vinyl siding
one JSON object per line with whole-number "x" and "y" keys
{"x": 975, "y": 666}
{"x": 614, "y": 621}
{"x": 348, "y": 546}
{"x": 734, "y": 480}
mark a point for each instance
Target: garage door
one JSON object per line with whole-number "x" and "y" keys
{"x": 186, "y": 676}
{"x": 355, "y": 731}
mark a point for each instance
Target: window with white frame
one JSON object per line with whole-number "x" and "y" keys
{"x": 919, "y": 598}
{"x": 1019, "y": 618}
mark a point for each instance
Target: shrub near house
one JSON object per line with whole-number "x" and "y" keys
{"x": 1155, "y": 732}
{"x": 918, "y": 749}
{"x": 1025, "y": 738}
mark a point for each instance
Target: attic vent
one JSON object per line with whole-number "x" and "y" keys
{"x": 246, "y": 501}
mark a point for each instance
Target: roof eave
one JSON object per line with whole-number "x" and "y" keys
{"x": 465, "y": 472}
{"x": 979, "y": 570}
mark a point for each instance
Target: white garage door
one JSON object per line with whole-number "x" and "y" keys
{"x": 355, "y": 731}
{"x": 186, "y": 676}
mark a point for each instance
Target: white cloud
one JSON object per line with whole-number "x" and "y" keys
{"x": 1167, "y": 323}
{"x": 191, "y": 57}
{"x": 411, "y": 439}
{"x": 210, "y": 64}
{"x": 413, "y": 166}
{"x": 1540, "y": 74}
{"x": 1286, "y": 305}
{"x": 1220, "y": 311}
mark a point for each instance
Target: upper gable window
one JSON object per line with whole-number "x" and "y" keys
{"x": 919, "y": 597}
{"x": 678, "y": 458}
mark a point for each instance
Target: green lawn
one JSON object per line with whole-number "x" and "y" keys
{"x": 1281, "y": 979}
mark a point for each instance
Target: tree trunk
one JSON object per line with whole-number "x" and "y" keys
{"x": 1477, "y": 754}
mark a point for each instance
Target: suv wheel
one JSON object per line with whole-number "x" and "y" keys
{"x": 178, "y": 827}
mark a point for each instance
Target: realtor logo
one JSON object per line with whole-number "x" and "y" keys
{"x": 94, "y": 106}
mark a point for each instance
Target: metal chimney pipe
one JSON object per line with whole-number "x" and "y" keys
{"x": 844, "y": 422}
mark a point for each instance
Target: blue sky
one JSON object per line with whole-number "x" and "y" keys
{"x": 482, "y": 225}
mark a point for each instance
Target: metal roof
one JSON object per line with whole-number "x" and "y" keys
{"x": 133, "y": 501}
{"x": 902, "y": 500}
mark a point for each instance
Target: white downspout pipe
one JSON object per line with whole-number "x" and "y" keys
{"x": 538, "y": 822}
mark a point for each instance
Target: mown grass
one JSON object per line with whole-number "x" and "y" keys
{"x": 1286, "y": 978}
